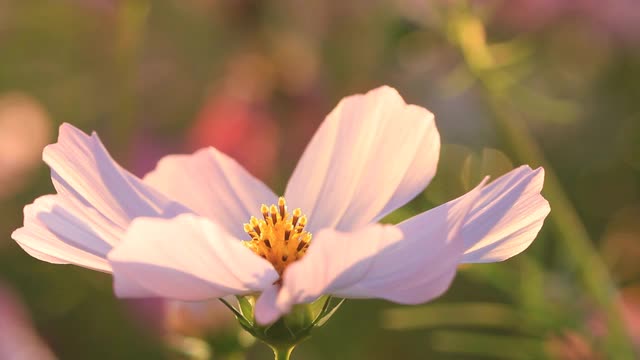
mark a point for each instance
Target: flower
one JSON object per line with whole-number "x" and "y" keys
{"x": 24, "y": 129}
{"x": 187, "y": 230}
{"x": 226, "y": 122}
{"x": 197, "y": 318}
{"x": 617, "y": 18}
{"x": 19, "y": 339}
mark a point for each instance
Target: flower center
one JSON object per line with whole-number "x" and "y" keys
{"x": 280, "y": 237}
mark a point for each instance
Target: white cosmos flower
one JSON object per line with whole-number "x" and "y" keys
{"x": 179, "y": 232}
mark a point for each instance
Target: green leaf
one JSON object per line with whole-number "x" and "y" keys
{"x": 485, "y": 315}
{"x": 488, "y": 345}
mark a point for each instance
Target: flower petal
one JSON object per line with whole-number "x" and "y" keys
{"x": 81, "y": 168}
{"x": 96, "y": 201}
{"x": 266, "y": 310}
{"x": 186, "y": 258}
{"x": 410, "y": 263}
{"x": 55, "y": 231}
{"x": 213, "y": 185}
{"x": 372, "y": 154}
{"x": 506, "y": 218}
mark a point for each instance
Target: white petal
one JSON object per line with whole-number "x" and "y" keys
{"x": 266, "y": 310}
{"x": 186, "y": 258}
{"x": 372, "y": 154}
{"x": 335, "y": 260}
{"x": 506, "y": 218}
{"x": 410, "y": 263}
{"x": 213, "y": 185}
{"x": 56, "y": 231}
{"x": 81, "y": 168}
{"x": 96, "y": 201}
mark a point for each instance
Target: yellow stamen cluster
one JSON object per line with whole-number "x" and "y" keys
{"x": 280, "y": 237}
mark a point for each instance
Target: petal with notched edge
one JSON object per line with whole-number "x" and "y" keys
{"x": 372, "y": 154}
{"x": 506, "y": 218}
{"x": 96, "y": 201}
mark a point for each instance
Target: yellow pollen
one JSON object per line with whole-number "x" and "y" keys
{"x": 280, "y": 237}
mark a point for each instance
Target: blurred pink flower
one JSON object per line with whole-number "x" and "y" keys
{"x": 177, "y": 233}
{"x": 533, "y": 14}
{"x": 24, "y": 130}
{"x": 629, "y": 306}
{"x": 620, "y": 18}
{"x": 197, "y": 318}
{"x": 242, "y": 129}
{"x": 18, "y": 338}
{"x": 631, "y": 312}
{"x": 571, "y": 345}
{"x": 206, "y": 328}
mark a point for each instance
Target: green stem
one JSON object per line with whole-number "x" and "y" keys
{"x": 577, "y": 243}
{"x": 572, "y": 232}
{"x": 282, "y": 353}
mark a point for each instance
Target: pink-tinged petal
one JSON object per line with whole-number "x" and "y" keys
{"x": 56, "y": 232}
{"x": 266, "y": 310}
{"x": 422, "y": 265}
{"x": 506, "y": 217}
{"x": 199, "y": 318}
{"x": 335, "y": 261}
{"x": 81, "y": 168}
{"x": 186, "y": 258}
{"x": 410, "y": 263}
{"x": 213, "y": 185}
{"x": 96, "y": 201}
{"x": 372, "y": 154}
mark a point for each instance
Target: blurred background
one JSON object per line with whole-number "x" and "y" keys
{"x": 541, "y": 82}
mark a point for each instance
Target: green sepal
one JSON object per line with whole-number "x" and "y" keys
{"x": 318, "y": 307}
{"x": 291, "y": 329}
{"x": 246, "y": 307}
{"x": 327, "y": 312}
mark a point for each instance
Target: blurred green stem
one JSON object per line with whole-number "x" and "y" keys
{"x": 282, "y": 353}
{"x": 131, "y": 22}
{"x": 467, "y": 32}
